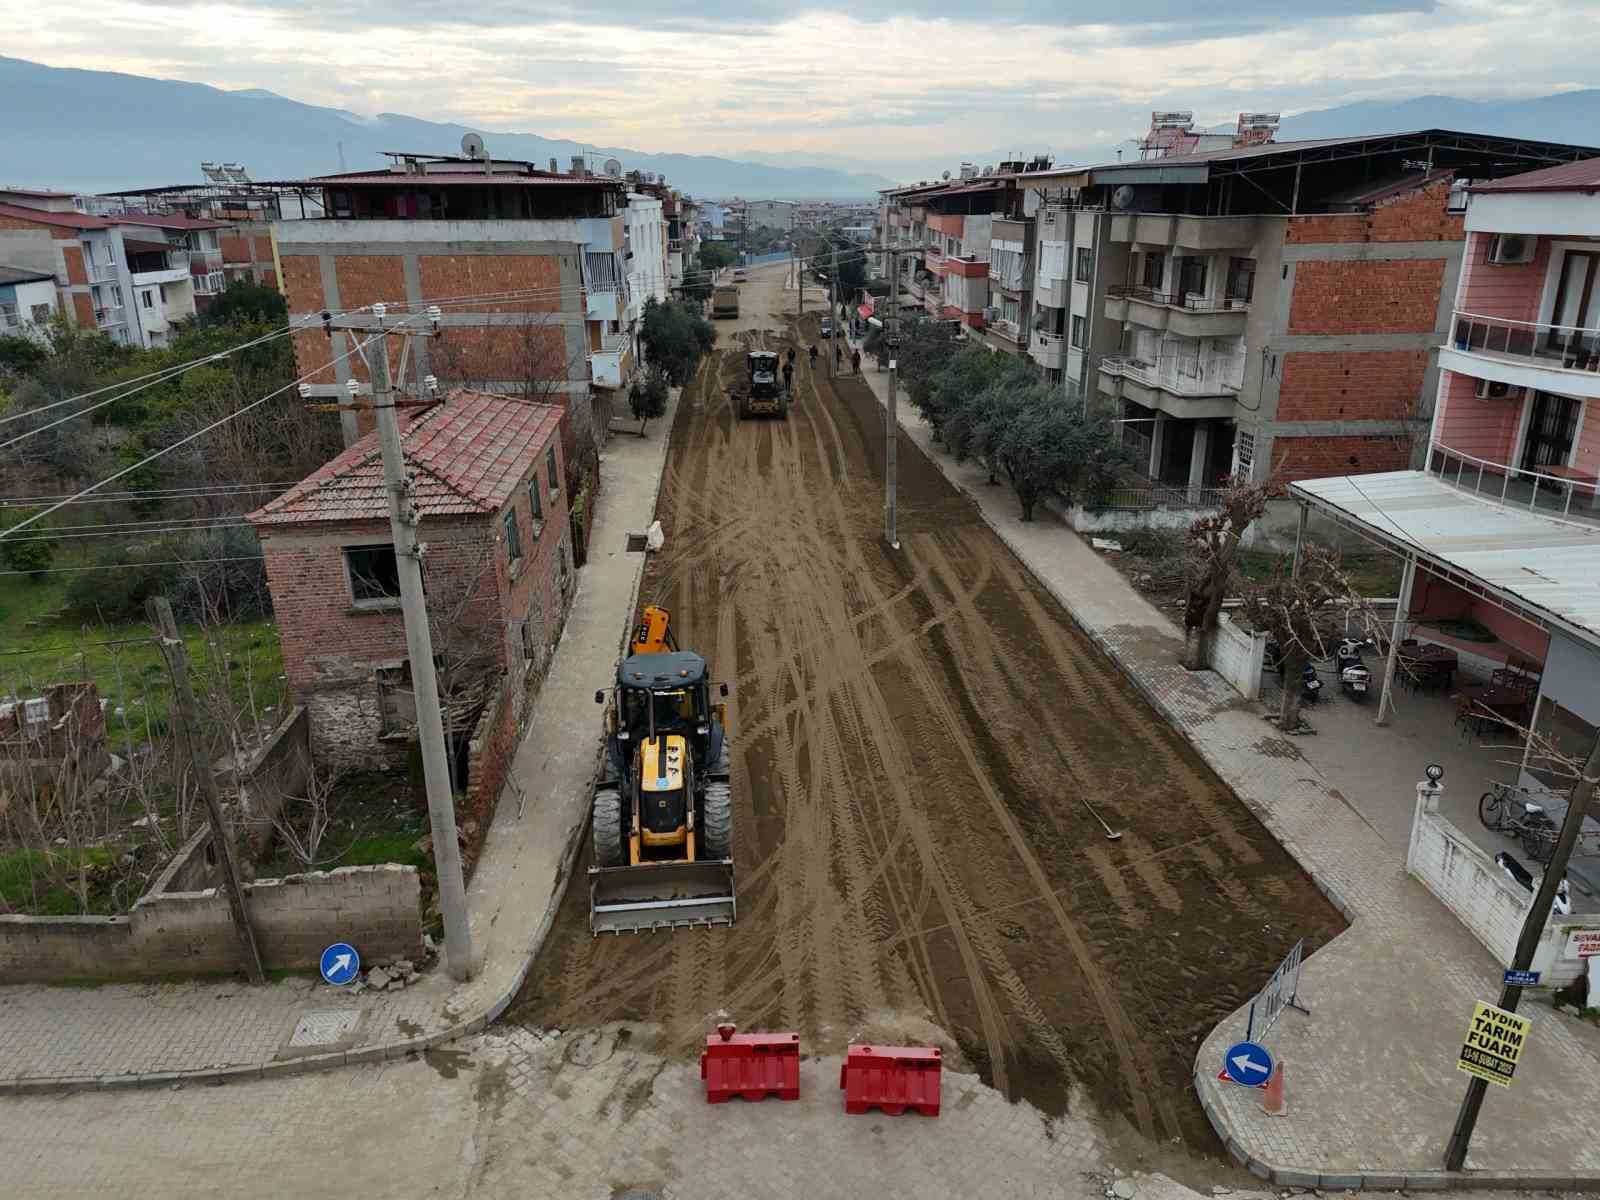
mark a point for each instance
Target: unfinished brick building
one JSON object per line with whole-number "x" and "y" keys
{"x": 488, "y": 472}
{"x": 52, "y": 742}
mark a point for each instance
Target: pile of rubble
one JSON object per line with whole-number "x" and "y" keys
{"x": 388, "y": 976}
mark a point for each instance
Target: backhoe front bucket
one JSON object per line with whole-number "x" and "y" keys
{"x": 668, "y": 895}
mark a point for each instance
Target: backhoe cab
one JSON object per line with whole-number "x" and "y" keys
{"x": 662, "y": 814}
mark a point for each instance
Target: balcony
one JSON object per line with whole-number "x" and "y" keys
{"x": 1545, "y": 357}
{"x": 1047, "y": 349}
{"x": 203, "y": 262}
{"x": 102, "y": 272}
{"x": 1560, "y": 492}
{"x": 1186, "y": 314}
{"x": 1161, "y": 230}
{"x": 611, "y": 364}
{"x": 1006, "y": 335}
{"x": 1183, "y": 385}
{"x": 110, "y": 315}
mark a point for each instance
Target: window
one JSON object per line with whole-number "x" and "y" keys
{"x": 535, "y": 505}
{"x": 1083, "y": 269}
{"x": 41, "y": 313}
{"x": 1192, "y": 276}
{"x": 1241, "y": 279}
{"x": 8, "y": 316}
{"x": 1079, "y": 335}
{"x": 1155, "y": 271}
{"x": 397, "y": 701}
{"x": 116, "y": 294}
{"x": 552, "y": 473}
{"x": 374, "y": 574}
{"x": 147, "y": 298}
{"x": 513, "y": 536}
{"x": 163, "y": 289}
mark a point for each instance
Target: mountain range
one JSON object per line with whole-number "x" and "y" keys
{"x": 95, "y": 131}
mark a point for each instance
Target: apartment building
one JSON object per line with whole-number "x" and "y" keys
{"x": 130, "y": 281}
{"x": 526, "y": 266}
{"x": 951, "y": 226}
{"x": 27, "y": 302}
{"x": 1269, "y": 307}
{"x": 1522, "y": 360}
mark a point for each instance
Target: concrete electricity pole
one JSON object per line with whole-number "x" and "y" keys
{"x": 1455, "y": 1155}
{"x": 408, "y": 554}
{"x": 891, "y": 419}
{"x": 177, "y": 658}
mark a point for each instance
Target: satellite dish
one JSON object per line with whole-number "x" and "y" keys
{"x": 613, "y": 167}
{"x": 1122, "y": 197}
{"x": 472, "y": 145}
{"x": 946, "y": 175}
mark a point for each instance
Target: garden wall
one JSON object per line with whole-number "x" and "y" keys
{"x": 1470, "y": 884}
{"x": 1238, "y": 656}
{"x": 375, "y": 909}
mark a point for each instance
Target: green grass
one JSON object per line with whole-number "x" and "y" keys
{"x": 1371, "y": 575}
{"x": 374, "y": 819}
{"x": 42, "y": 643}
{"x": 26, "y": 874}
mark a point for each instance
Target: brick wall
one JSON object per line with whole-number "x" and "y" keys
{"x": 489, "y": 756}
{"x": 1318, "y": 457}
{"x": 72, "y": 256}
{"x": 1415, "y": 216}
{"x": 1382, "y": 385}
{"x": 1366, "y": 296}
{"x": 446, "y": 275}
{"x": 375, "y": 909}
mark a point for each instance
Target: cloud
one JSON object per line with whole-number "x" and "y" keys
{"x": 926, "y": 80}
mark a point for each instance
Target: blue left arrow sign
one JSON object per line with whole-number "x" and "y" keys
{"x": 340, "y": 964}
{"x": 1247, "y": 1063}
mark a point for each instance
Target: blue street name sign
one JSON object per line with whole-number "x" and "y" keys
{"x": 340, "y": 964}
{"x": 1247, "y": 1063}
{"x": 1522, "y": 979}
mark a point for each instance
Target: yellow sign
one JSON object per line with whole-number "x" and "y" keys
{"x": 1493, "y": 1044}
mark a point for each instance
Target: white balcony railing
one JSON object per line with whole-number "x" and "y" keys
{"x": 1551, "y": 490}
{"x": 1183, "y": 375}
{"x": 102, "y": 272}
{"x": 1536, "y": 343}
{"x": 111, "y": 314}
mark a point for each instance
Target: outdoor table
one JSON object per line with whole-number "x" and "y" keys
{"x": 1429, "y": 665}
{"x": 1507, "y": 703}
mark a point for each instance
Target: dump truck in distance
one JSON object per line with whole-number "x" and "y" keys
{"x": 725, "y": 302}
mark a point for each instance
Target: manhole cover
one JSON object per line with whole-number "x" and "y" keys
{"x": 325, "y": 1026}
{"x": 636, "y": 542}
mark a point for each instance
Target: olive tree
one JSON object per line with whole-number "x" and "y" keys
{"x": 1211, "y": 562}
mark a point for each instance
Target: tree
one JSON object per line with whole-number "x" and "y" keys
{"x": 716, "y": 255}
{"x": 852, "y": 264}
{"x": 1297, "y": 610}
{"x": 647, "y": 398}
{"x": 1049, "y": 448}
{"x": 20, "y": 355}
{"x": 244, "y": 300}
{"x": 32, "y": 550}
{"x": 675, "y": 336}
{"x": 1212, "y": 559}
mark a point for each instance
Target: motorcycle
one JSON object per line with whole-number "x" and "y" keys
{"x": 1310, "y": 682}
{"x": 1354, "y": 677}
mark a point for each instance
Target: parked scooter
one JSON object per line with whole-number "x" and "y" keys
{"x": 1310, "y": 682}
{"x": 1354, "y": 677}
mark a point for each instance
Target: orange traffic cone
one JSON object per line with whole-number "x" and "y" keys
{"x": 1275, "y": 1103}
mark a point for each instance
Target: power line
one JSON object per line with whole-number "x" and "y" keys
{"x": 171, "y": 562}
{"x": 151, "y": 495}
{"x": 94, "y": 487}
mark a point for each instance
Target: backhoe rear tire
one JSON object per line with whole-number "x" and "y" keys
{"x": 607, "y": 823}
{"x": 716, "y": 820}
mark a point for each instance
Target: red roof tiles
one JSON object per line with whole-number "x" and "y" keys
{"x": 69, "y": 220}
{"x": 1580, "y": 176}
{"x": 466, "y": 455}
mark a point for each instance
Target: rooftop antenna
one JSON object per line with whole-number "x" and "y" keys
{"x": 472, "y": 145}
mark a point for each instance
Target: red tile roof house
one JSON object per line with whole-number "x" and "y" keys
{"x": 487, "y": 472}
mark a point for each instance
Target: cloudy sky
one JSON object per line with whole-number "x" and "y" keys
{"x": 828, "y": 80}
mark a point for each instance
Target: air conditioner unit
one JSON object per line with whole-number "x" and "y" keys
{"x": 1493, "y": 389}
{"x": 1507, "y": 248}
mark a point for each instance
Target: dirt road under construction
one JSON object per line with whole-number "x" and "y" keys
{"x": 912, "y": 732}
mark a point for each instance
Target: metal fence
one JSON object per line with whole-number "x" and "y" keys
{"x": 1282, "y": 991}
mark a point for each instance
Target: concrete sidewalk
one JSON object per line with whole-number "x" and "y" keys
{"x": 143, "y": 1034}
{"x": 1371, "y": 1075}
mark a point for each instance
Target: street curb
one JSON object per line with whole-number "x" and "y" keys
{"x": 1366, "y": 1179}
{"x": 475, "y": 1023}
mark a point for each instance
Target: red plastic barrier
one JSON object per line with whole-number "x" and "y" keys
{"x": 751, "y": 1065}
{"x": 892, "y": 1078}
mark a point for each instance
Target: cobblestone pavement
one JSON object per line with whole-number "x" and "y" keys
{"x": 124, "y": 1034}
{"x": 1372, "y": 1084}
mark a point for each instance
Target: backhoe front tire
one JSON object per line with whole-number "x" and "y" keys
{"x": 716, "y": 820}
{"x": 607, "y": 824}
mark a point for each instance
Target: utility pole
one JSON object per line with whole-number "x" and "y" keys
{"x": 833, "y": 301}
{"x": 1455, "y": 1155}
{"x": 177, "y": 658}
{"x": 891, "y": 419}
{"x": 408, "y": 554}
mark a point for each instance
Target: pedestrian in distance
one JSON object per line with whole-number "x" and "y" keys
{"x": 788, "y": 376}
{"x": 791, "y": 358}
{"x": 813, "y": 353}
{"x": 838, "y": 357}
{"x": 855, "y": 362}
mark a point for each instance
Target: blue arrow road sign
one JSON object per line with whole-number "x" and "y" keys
{"x": 1522, "y": 979}
{"x": 1247, "y": 1063}
{"x": 340, "y": 964}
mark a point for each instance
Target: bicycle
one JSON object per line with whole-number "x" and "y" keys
{"x": 1505, "y": 809}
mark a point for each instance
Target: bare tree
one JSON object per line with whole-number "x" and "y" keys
{"x": 302, "y": 822}
{"x": 1298, "y": 610}
{"x": 1212, "y": 561}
